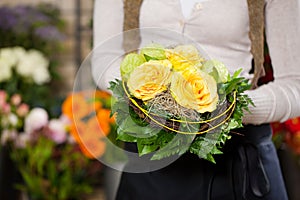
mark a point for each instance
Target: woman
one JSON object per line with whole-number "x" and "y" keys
{"x": 249, "y": 169}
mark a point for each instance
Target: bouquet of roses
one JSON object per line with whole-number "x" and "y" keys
{"x": 173, "y": 100}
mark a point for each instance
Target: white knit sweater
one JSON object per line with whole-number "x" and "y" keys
{"x": 221, "y": 28}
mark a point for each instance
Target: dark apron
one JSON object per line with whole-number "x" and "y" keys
{"x": 248, "y": 169}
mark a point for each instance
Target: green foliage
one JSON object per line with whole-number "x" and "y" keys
{"x": 52, "y": 173}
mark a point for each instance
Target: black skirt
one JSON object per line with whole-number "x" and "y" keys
{"x": 248, "y": 169}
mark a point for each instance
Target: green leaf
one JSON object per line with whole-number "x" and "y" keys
{"x": 130, "y": 126}
{"x": 217, "y": 70}
{"x": 237, "y": 73}
{"x": 117, "y": 89}
{"x": 178, "y": 145}
{"x": 129, "y": 63}
{"x": 120, "y": 106}
{"x": 146, "y": 149}
{"x": 123, "y": 136}
{"x": 153, "y": 52}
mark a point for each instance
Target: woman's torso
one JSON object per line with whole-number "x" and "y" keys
{"x": 220, "y": 27}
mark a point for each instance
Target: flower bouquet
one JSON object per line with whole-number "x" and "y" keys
{"x": 174, "y": 100}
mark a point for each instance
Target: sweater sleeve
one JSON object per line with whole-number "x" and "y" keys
{"x": 280, "y": 100}
{"x": 107, "y": 41}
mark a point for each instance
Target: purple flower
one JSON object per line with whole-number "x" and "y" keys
{"x": 28, "y": 17}
{"x": 21, "y": 18}
{"x": 7, "y": 18}
{"x": 23, "y": 21}
{"x": 49, "y": 33}
{"x": 30, "y": 14}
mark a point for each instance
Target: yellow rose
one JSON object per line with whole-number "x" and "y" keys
{"x": 149, "y": 79}
{"x": 195, "y": 89}
{"x": 183, "y": 57}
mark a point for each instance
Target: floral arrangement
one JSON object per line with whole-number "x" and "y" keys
{"x": 172, "y": 100}
{"x": 53, "y": 163}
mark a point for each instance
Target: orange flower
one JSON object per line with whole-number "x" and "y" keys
{"x": 88, "y": 135}
{"x": 92, "y": 148}
{"x": 91, "y": 139}
{"x": 77, "y": 130}
{"x": 105, "y": 120}
{"x": 90, "y": 121}
{"x": 79, "y": 105}
{"x": 102, "y": 94}
{"x": 94, "y": 127}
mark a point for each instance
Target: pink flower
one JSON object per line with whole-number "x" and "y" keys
{"x": 22, "y": 110}
{"x": 8, "y": 135}
{"x": 36, "y": 119}
{"x": 65, "y": 119}
{"x": 57, "y": 131}
{"x": 5, "y": 108}
{"x": 16, "y": 99}
{"x": 3, "y": 96}
{"x": 22, "y": 140}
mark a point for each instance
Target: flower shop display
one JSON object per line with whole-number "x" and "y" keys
{"x": 12, "y": 114}
{"x": 52, "y": 144}
{"x": 173, "y": 100}
{"x": 56, "y": 158}
{"x": 31, "y": 40}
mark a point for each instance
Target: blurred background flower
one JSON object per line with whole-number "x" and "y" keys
{"x": 12, "y": 116}
{"x": 52, "y": 161}
{"x": 90, "y": 120}
{"x": 288, "y": 133}
{"x": 39, "y": 151}
{"x": 31, "y": 40}
{"x": 38, "y": 27}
